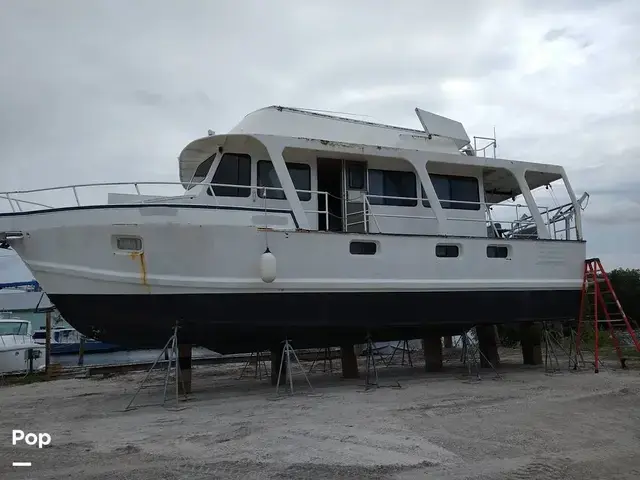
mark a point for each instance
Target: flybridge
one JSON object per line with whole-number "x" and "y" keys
{"x": 439, "y": 133}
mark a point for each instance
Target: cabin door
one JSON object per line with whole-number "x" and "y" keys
{"x": 355, "y": 189}
{"x": 330, "y": 180}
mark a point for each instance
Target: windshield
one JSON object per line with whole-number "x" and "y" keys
{"x": 13, "y": 328}
{"x": 201, "y": 172}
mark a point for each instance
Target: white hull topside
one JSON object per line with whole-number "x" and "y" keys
{"x": 196, "y": 250}
{"x": 14, "y": 358}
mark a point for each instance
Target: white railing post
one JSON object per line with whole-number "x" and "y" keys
{"x": 326, "y": 211}
{"x": 488, "y": 210}
{"x": 364, "y": 213}
{"x": 75, "y": 194}
{"x": 548, "y": 219}
{"x": 11, "y": 203}
{"x": 373, "y": 215}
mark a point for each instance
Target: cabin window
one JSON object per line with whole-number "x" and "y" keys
{"x": 234, "y": 169}
{"x": 300, "y": 175}
{"x": 363, "y": 248}
{"x": 131, "y": 244}
{"x": 201, "y": 172}
{"x": 356, "y": 176}
{"x": 392, "y": 183}
{"x": 497, "y": 251}
{"x": 448, "y": 251}
{"x": 452, "y": 188}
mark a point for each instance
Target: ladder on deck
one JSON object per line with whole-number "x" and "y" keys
{"x": 599, "y": 296}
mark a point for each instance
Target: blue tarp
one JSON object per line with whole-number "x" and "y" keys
{"x": 32, "y": 283}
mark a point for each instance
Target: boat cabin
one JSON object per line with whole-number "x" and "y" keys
{"x": 313, "y": 171}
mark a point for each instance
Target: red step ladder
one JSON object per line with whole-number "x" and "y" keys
{"x": 603, "y": 298}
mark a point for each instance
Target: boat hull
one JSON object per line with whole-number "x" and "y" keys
{"x": 201, "y": 266}
{"x": 229, "y": 323}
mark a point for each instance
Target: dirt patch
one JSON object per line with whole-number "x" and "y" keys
{"x": 526, "y": 425}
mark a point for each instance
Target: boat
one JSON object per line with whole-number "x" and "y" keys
{"x": 67, "y": 340}
{"x": 311, "y": 226}
{"x": 18, "y": 352}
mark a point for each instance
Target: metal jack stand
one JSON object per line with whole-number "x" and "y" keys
{"x": 371, "y": 365}
{"x": 371, "y": 368}
{"x": 405, "y": 348}
{"x": 471, "y": 354}
{"x": 549, "y": 350}
{"x": 577, "y": 346}
{"x": 260, "y": 364}
{"x": 171, "y": 350}
{"x": 574, "y": 352}
{"x": 327, "y": 358}
{"x": 288, "y": 351}
{"x": 553, "y": 340}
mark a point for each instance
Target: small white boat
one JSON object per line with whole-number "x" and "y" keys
{"x": 18, "y": 352}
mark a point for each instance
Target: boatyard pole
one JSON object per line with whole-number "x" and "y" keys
{"x": 47, "y": 342}
{"x": 81, "y": 351}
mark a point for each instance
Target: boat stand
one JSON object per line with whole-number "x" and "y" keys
{"x": 575, "y": 353}
{"x": 260, "y": 364}
{"x": 170, "y": 350}
{"x": 405, "y": 350}
{"x": 554, "y": 341}
{"x": 327, "y": 358}
{"x": 472, "y": 354}
{"x": 288, "y": 351}
{"x": 371, "y": 372}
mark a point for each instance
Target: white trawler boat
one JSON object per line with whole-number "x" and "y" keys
{"x": 310, "y": 226}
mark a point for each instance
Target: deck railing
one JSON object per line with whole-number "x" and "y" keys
{"x": 518, "y": 224}
{"x": 17, "y": 203}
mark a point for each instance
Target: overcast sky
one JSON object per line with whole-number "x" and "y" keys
{"x": 112, "y": 90}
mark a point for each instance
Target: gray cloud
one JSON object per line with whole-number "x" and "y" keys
{"x": 112, "y": 90}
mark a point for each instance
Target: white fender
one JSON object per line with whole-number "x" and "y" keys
{"x": 268, "y": 266}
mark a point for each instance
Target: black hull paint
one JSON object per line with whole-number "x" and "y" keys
{"x": 229, "y": 323}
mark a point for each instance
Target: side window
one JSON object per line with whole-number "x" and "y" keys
{"x": 448, "y": 251}
{"x": 391, "y": 183}
{"x": 201, "y": 171}
{"x": 452, "y": 188}
{"x": 234, "y": 169}
{"x": 465, "y": 189}
{"x": 497, "y": 251}
{"x": 300, "y": 175}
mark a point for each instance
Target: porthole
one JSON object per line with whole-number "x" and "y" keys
{"x": 497, "y": 251}
{"x": 129, "y": 244}
{"x": 363, "y": 248}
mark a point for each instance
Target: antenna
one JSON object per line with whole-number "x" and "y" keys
{"x": 495, "y": 142}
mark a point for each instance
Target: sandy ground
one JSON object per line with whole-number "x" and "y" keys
{"x": 528, "y": 424}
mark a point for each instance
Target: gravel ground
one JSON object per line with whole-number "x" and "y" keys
{"x": 528, "y": 424}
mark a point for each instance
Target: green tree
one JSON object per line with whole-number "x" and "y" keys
{"x": 626, "y": 284}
